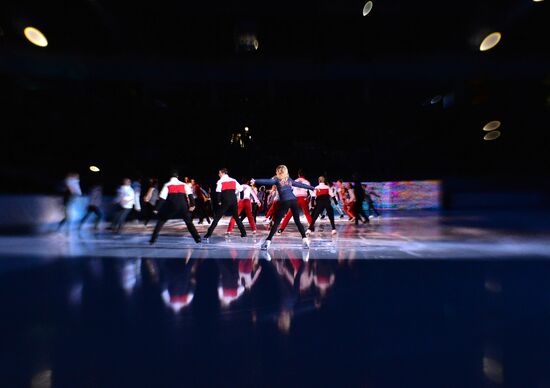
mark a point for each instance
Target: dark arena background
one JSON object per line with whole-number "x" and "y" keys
{"x": 429, "y": 122}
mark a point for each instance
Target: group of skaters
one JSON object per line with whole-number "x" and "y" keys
{"x": 188, "y": 200}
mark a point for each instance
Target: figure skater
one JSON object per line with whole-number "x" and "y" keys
{"x": 226, "y": 189}
{"x": 177, "y": 201}
{"x": 359, "y": 193}
{"x": 370, "y": 202}
{"x": 322, "y": 203}
{"x": 287, "y": 201}
{"x": 245, "y": 205}
{"x": 302, "y": 196}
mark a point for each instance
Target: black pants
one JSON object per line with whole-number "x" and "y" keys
{"x": 92, "y": 210}
{"x": 372, "y": 209}
{"x": 201, "y": 210}
{"x": 119, "y": 219}
{"x": 67, "y": 204}
{"x": 323, "y": 204}
{"x": 255, "y": 209}
{"x": 148, "y": 212}
{"x": 284, "y": 206}
{"x": 226, "y": 206}
{"x": 171, "y": 213}
{"x": 359, "y": 211}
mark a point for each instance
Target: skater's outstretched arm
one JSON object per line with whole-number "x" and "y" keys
{"x": 265, "y": 182}
{"x": 302, "y": 185}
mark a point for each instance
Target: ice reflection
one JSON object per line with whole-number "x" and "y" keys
{"x": 302, "y": 285}
{"x": 289, "y": 283}
{"x": 178, "y": 288}
{"x": 486, "y": 320}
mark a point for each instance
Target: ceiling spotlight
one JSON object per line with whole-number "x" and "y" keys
{"x": 491, "y": 126}
{"x": 492, "y": 135}
{"x": 246, "y": 129}
{"x": 94, "y": 169}
{"x": 367, "y": 8}
{"x": 490, "y": 41}
{"x": 538, "y": 1}
{"x": 35, "y": 36}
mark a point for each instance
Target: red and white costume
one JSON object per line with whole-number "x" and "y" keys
{"x": 245, "y": 204}
{"x": 350, "y": 204}
{"x": 272, "y": 203}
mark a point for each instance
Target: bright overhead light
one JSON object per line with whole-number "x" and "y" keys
{"x": 367, "y": 8}
{"x": 246, "y": 129}
{"x": 94, "y": 169}
{"x": 35, "y": 36}
{"x": 491, "y": 126}
{"x": 490, "y": 41}
{"x": 492, "y": 135}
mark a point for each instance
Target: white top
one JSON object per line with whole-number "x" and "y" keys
{"x": 248, "y": 193}
{"x": 273, "y": 196}
{"x": 299, "y": 192}
{"x": 174, "y": 182}
{"x": 73, "y": 184}
{"x": 225, "y": 179}
{"x": 189, "y": 186}
{"x": 136, "y": 186}
{"x": 125, "y": 196}
{"x": 321, "y": 186}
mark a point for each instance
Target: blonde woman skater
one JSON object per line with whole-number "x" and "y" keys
{"x": 287, "y": 200}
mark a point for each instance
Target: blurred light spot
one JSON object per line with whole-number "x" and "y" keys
{"x": 130, "y": 275}
{"x": 492, "y": 135}
{"x": 538, "y": 1}
{"x": 491, "y": 126}
{"x": 436, "y": 99}
{"x": 94, "y": 169}
{"x": 490, "y": 41}
{"x": 367, "y": 8}
{"x": 246, "y": 129}
{"x": 492, "y": 369}
{"x": 42, "y": 379}
{"x": 493, "y": 286}
{"x": 35, "y": 36}
{"x": 75, "y": 294}
{"x": 283, "y": 322}
{"x": 247, "y": 41}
